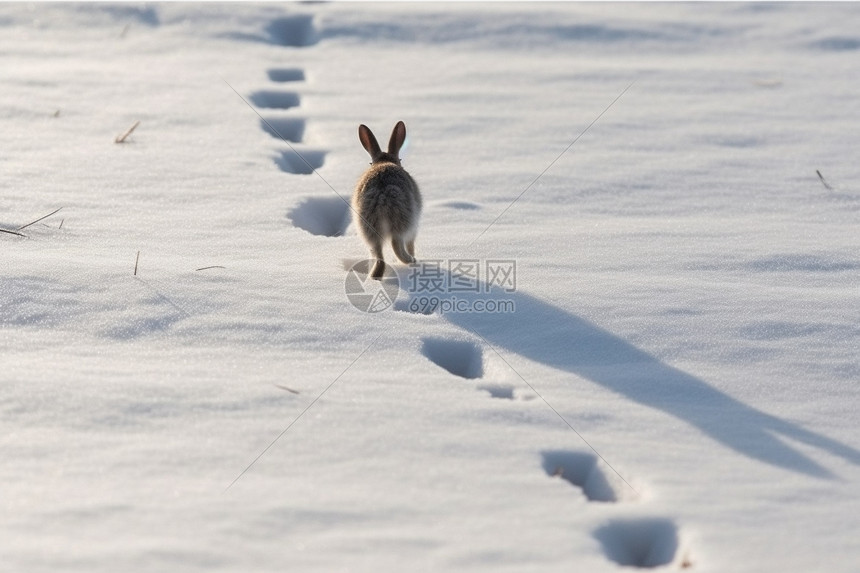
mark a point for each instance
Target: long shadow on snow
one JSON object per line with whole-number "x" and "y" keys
{"x": 545, "y": 333}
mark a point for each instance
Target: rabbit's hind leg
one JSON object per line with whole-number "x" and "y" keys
{"x": 401, "y": 251}
{"x": 376, "y": 253}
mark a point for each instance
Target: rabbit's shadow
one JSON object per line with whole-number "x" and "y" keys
{"x": 553, "y": 336}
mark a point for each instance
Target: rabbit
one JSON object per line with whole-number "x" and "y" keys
{"x": 386, "y": 203}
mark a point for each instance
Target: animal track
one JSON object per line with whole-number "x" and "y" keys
{"x": 458, "y": 205}
{"x": 323, "y": 216}
{"x": 499, "y": 391}
{"x": 272, "y": 99}
{"x": 287, "y": 128}
{"x": 300, "y": 162}
{"x": 281, "y": 75}
{"x": 459, "y": 357}
{"x": 293, "y": 31}
{"x": 581, "y": 470}
{"x": 643, "y": 543}
{"x": 837, "y": 44}
{"x": 505, "y": 392}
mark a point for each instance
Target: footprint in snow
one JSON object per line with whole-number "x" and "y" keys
{"x": 466, "y": 360}
{"x": 642, "y": 543}
{"x": 295, "y": 31}
{"x": 321, "y": 216}
{"x": 505, "y": 392}
{"x": 459, "y": 357}
{"x": 581, "y": 470}
{"x": 274, "y": 99}
{"x": 501, "y": 391}
{"x": 282, "y": 75}
{"x": 289, "y": 129}
{"x": 300, "y": 162}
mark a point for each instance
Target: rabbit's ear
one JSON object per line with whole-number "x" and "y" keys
{"x": 368, "y": 141}
{"x": 398, "y": 136}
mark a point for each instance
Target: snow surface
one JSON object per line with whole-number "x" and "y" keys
{"x": 686, "y": 289}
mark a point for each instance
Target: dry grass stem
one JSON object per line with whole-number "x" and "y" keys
{"x": 37, "y": 220}
{"x": 124, "y": 136}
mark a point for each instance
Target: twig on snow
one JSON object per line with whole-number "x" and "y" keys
{"x": 122, "y": 138}
{"x": 16, "y": 233}
{"x": 823, "y": 182}
{"x": 37, "y": 220}
{"x": 212, "y": 267}
{"x": 135, "y": 263}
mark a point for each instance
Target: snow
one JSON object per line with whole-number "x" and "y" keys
{"x": 674, "y": 385}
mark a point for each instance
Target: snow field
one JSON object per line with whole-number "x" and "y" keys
{"x": 686, "y": 295}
